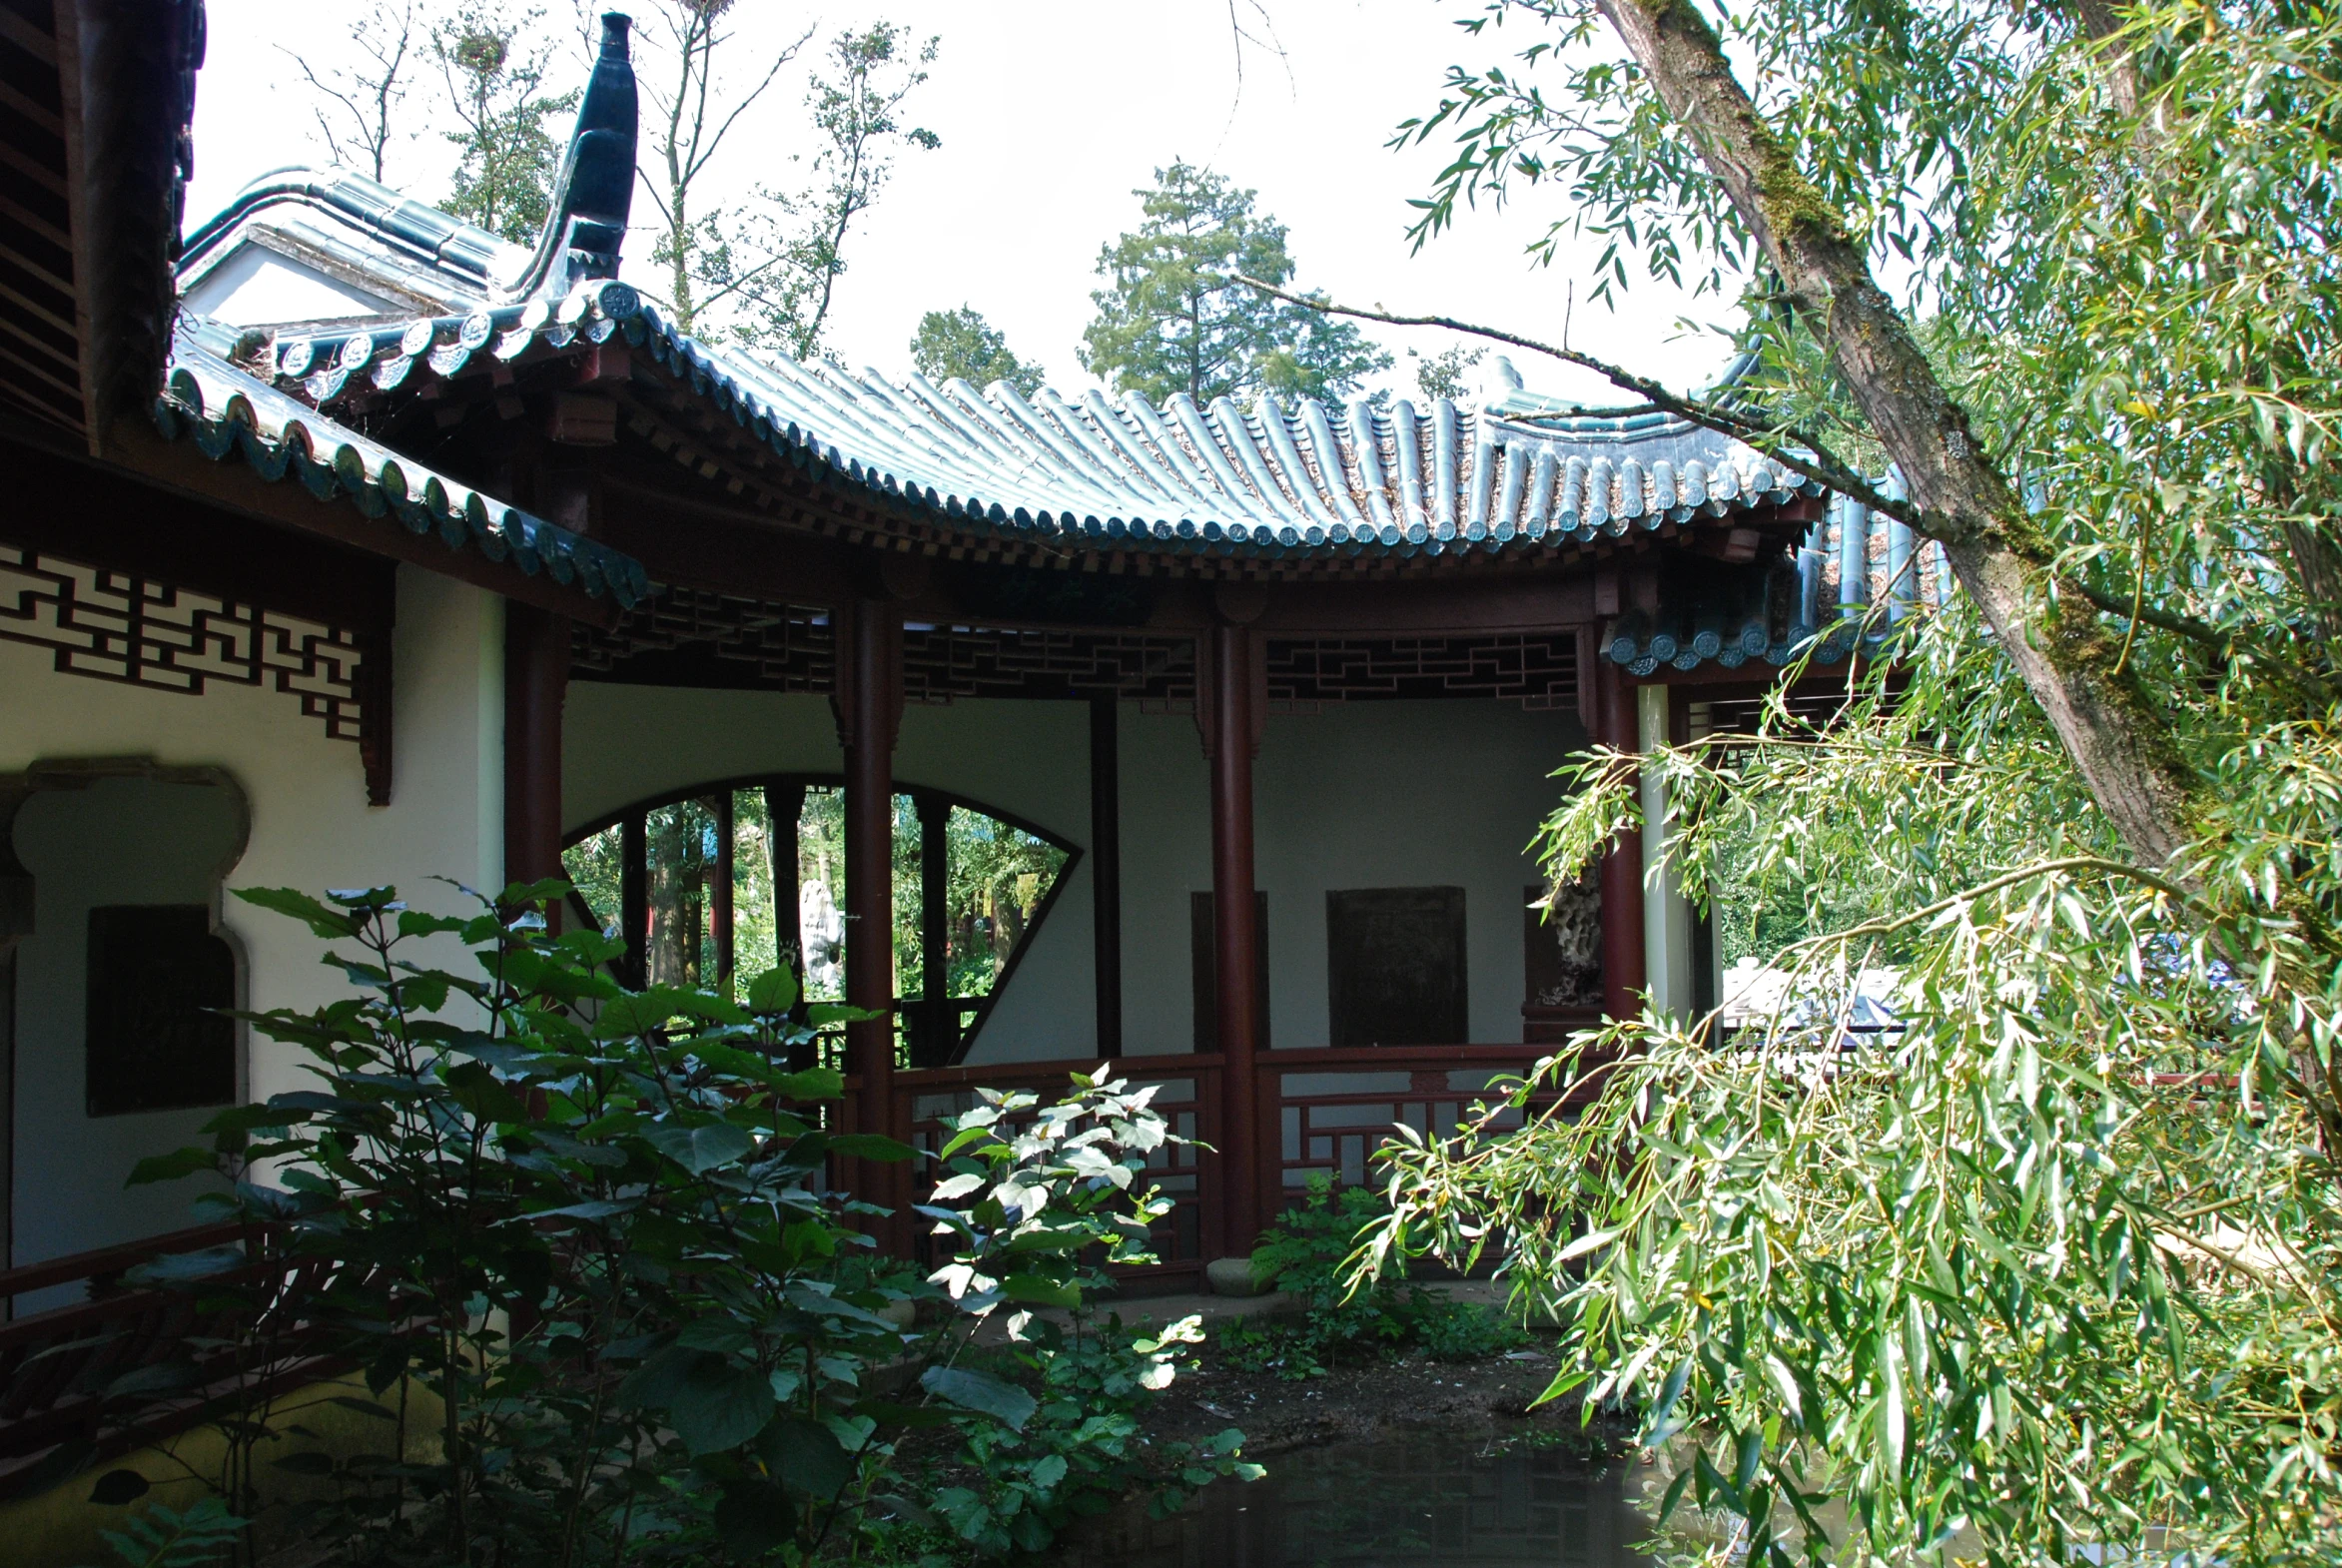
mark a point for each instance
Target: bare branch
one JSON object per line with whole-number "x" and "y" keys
{"x": 1819, "y": 467}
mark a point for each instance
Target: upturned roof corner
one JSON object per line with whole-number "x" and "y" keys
{"x": 587, "y": 221}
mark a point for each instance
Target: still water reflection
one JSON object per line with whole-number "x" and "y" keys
{"x": 1453, "y": 1498}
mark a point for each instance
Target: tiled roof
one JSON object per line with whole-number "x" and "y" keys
{"x": 1308, "y": 479}
{"x": 411, "y": 243}
{"x": 1086, "y": 469}
{"x": 1858, "y": 577}
{"x": 228, "y": 412}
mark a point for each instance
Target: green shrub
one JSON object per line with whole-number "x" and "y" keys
{"x": 1304, "y": 1253}
{"x": 594, "y": 1224}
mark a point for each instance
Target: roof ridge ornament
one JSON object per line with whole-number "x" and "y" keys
{"x": 587, "y": 221}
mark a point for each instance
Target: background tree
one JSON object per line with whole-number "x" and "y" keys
{"x": 785, "y": 298}
{"x": 1171, "y": 320}
{"x": 359, "y": 104}
{"x": 1446, "y": 374}
{"x": 961, "y": 342}
{"x": 495, "y": 62}
{"x": 2061, "y": 1261}
{"x": 692, "y": 115}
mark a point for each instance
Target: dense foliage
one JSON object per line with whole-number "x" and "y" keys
{"x": 2057, "y": 1269}
{"x": 961, "y": 343}
{"x": 607, "y": 1304}
{"x": 1305, "y": 1253}
{"x": 1169, "y": 320}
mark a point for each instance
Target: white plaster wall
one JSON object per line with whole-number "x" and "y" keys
{"x": 1385, "y": 794}
{"x": 254, "y": 285}
{"x": 119, "y": 841}
{"x": 310, "y": 825}
{"x": 1362, "y": 795}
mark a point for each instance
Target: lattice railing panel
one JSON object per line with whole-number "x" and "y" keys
{"x": 123, "y": 628}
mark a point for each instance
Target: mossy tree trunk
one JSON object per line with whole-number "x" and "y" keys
{"x": 2121, "y": 744}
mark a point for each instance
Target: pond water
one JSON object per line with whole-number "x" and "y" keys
{"x": 1456, "y": 1498}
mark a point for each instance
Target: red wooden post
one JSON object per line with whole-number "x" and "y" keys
{"x": 869, "y": 706}
{"x": 1623, "y": 967}
{"x": 1106, "y": 869}
{"x": 1229, "y": 738}
{"x": 537, "y": 682}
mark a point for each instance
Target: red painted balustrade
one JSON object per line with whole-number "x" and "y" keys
{"x": 242, "y": 1335}
{"x": 130, "y": 1364}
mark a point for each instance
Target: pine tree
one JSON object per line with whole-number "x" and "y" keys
{"x": 1171, "y": 320}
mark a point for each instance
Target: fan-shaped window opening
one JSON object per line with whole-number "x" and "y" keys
{"x": 726, "y": 880}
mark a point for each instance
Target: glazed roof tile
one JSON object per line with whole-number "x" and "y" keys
{"x": 1519, "y": 476}
{"x": 228, "y": 412}
{"x": 1300, "y": 479}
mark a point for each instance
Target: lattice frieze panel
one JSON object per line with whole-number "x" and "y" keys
{"x": 121, "y": 627}
{"x": 1538, "y": 670}
{"x": 942, "y": 663}
{"x": 792, "y": 648}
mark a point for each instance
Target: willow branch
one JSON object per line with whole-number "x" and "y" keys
{"x": 1821, "y": 467}
{"x": 1887, "y": 924}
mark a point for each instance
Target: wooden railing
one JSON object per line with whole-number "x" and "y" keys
{"x": 1321, "y": 1111}
{"x": 130, "y": 1364}
{"x": 1333, "y": 1109}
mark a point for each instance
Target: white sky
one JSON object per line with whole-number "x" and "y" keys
{"x": 1051, "y": 112}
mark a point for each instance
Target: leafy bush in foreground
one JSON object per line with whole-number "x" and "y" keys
{"x": 581, "y": 1243}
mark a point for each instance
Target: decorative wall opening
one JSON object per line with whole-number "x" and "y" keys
{"x": 161, "y": 986}
{"x": 111, "y": 872}
{"x": 731, "y": 878}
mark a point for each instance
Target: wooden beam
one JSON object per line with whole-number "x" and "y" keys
{"x": 179, "y": 469}
{"x": 100, "y": 516}
{"x": 869, "y": 706}
{"x": 1106, "y": 869}
{"x": 1230, "y": 736}
{"x": 1621, "y": 875}
{"x": 537, "y": 681}
{"x": 690, "y": 543}
{"x": 939, "y": 1014}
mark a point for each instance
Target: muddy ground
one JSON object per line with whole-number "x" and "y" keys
{"x": 1355, "y": 1400}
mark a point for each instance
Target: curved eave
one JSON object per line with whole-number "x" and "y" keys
{"x": 1310, "y": 481}
{"x": 228, "y": 414}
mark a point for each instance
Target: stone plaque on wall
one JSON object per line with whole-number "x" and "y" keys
{"x": 1395, "y": 960}
{"x": 1562, "y": 950}
{"x": 155, "y": 1043}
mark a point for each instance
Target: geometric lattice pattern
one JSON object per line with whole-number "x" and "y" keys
{"x": 791, "y": 647}
{"x": 1537, "y": 669}
{"x": 118, "y": 627}
{"x": 942, "y": 663}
